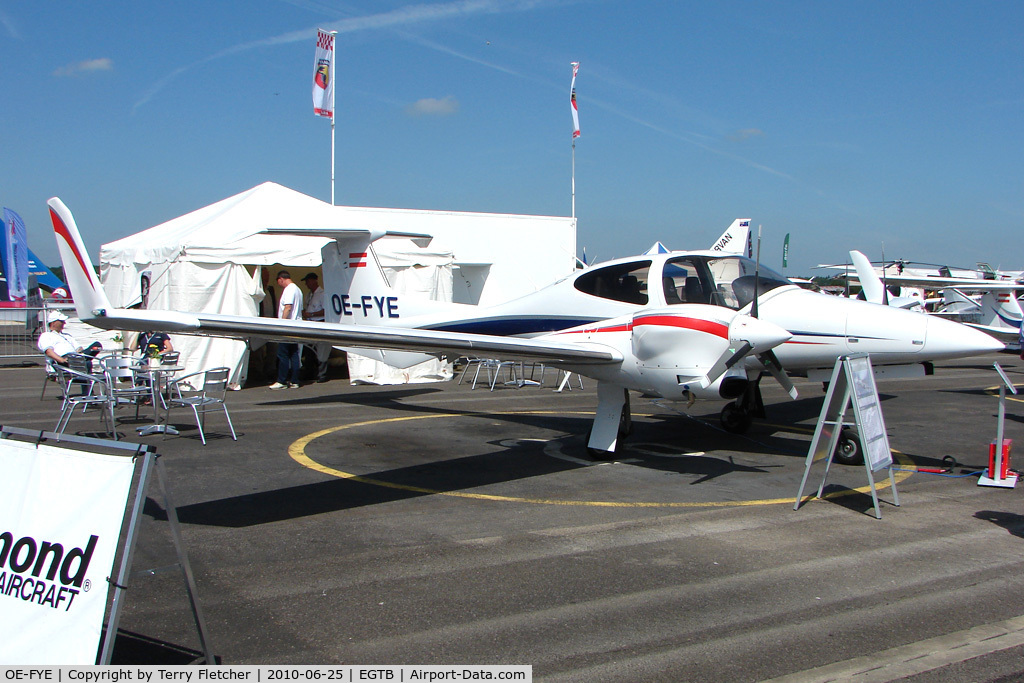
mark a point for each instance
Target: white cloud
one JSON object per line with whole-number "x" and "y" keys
{"x": 88, "y": 66}
{"x": 431, "y": 106}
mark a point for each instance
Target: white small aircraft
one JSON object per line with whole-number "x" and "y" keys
{"x": 679, "y": 326}
{"x": 984, "y": 304}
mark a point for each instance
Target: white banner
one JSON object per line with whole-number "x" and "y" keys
{"x": 323, "y": 75}
{"x": 60, "y": 518}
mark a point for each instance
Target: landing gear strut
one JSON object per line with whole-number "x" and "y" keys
{"x": 737, "y": 416}
{"x": 625, "y": 428}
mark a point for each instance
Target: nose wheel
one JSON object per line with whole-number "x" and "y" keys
{"x": 735, "y": 418}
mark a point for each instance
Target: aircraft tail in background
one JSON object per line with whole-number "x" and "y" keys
{"x": 735, "y": 239}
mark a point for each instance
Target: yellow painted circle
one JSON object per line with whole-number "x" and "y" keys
{"x": 297, "y": 451}
{"x": 994, "y": 391}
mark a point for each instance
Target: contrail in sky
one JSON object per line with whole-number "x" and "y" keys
{"x": 403, "y": 16}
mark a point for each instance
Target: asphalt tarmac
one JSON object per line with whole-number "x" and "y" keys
{"x": 439, "y": 524}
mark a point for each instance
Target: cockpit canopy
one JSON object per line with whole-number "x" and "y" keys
{"x": 719, "y": 281}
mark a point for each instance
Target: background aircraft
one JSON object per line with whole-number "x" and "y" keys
{"x": 985, "y": 304}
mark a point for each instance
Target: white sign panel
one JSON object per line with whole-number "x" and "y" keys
{"x": 60, "y": 518}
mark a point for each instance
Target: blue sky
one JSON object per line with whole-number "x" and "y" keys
{"x": 847, "y": 124}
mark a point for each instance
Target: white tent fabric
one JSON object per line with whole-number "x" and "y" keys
{"x": 208, "y": 260}
{"x": 198, "y": 262}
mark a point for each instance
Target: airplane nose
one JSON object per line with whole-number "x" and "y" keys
{"x": 948, "y": 339}
{"x": 760, "y": 334}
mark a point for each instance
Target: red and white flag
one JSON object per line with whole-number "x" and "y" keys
{"x": 323, "y": 75}
{"x": 572, "y": 102}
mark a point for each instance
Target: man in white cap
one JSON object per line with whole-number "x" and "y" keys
{"x": 57, "y": 344}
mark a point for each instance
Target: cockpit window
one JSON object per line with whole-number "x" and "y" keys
{"x": 685, "y": 281}
{"x": 626, "y": 282}
{"x": 727, "y": 281}
{"x": 734, "y": 280}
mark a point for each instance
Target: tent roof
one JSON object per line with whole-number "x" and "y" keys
{"x": 227, "y": 231}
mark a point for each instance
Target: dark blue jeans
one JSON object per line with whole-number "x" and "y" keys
{"x": 288, "y": 363}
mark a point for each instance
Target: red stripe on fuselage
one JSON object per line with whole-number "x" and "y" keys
{"x": 698, "y": 324}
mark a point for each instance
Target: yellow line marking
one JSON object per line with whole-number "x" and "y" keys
{"x": 994, "y": 391}
{"x": 297, "y": 451}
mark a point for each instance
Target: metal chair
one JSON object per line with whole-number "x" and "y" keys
{"x": 96, "y": 396}
{"x": 210, "y": 396}
{"x": 125, "y": 383}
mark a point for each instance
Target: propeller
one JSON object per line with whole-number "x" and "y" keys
{"x": 768, "y": 357}
{"x": 747, "y": 334}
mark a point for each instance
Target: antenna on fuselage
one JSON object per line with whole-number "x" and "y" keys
{"x": 757, "y": 274}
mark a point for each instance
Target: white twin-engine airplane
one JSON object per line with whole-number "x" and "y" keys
{"x": 676, "y": 326}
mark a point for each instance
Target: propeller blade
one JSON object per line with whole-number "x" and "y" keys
{"x": 724, "y": 362}
{"x": 771, "y": 361}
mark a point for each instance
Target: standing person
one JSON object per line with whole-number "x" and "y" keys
{"x": 315, "y": 311}
{"x": 289, "y": 307}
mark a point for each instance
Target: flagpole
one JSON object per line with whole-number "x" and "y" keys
{"x": 334, "y": 113}
{"x": 574, "y": 177}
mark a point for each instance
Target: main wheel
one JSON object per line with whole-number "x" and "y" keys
{"x": 848, "y": 449}
{"x": 735, "y": 419}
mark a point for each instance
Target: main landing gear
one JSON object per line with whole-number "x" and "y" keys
{"x": 737, "y": 416}
{"x": 624, "y": 430}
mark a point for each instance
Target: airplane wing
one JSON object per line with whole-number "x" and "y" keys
{"x": 968, "y": 284}
{"x": 389, "y": 338}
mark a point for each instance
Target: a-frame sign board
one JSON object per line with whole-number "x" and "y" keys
{"x": 103, "y": 476}
{"x": 853, "y": 381}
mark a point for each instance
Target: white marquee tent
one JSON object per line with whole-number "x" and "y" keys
{"x": 209, "y": 260}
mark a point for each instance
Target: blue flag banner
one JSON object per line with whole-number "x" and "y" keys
{"x": 15, "y": 256}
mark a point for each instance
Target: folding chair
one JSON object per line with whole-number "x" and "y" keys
{"x": 210, "y": 396}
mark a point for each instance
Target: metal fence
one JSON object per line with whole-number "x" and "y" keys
{"x": 21, "y": 327}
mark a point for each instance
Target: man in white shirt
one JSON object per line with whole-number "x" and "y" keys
{"x": 315, "y": 311}
{"x": 57, "y": 344}
{"x": 289, "y": 307}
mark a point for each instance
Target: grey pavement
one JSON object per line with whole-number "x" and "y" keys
{"x": 436, "y": 524}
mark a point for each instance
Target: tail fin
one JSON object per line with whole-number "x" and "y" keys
{"x": 86, "y": 290}
{"x": 356, "y": 289}
{"x": 1000, "y": 309}
{"x": 735, "y": 239}
{"x": 870, "y": 283}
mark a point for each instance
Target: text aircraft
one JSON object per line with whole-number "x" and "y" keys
{"x": 679, "y": 326}
{"x": 996, "y": 311}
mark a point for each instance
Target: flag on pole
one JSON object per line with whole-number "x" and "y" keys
{"x": 785, "y": 252}
{"x": 15, "y": 256}
{"x": 323, "y": 75}
{"x": 572, "y": 101}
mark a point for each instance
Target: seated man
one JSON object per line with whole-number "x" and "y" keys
{"x": 57, "y": 344}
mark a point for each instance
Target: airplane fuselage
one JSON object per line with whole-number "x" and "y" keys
{"x": 824, "y": 327}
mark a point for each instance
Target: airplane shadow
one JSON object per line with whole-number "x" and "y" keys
{"x": 653, "y": 445}
{"x": 1010, "y": 521}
